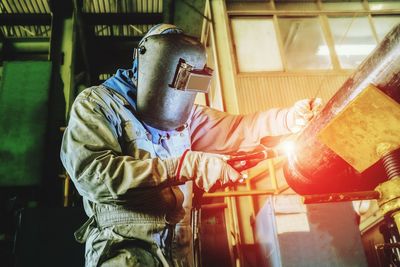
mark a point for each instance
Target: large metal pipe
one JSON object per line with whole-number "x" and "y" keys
{"x": 316, "y": 169}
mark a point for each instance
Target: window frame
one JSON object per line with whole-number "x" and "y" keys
{"x": 235, "y": 9}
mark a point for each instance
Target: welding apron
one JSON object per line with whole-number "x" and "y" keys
{"x": 120, "y": 235}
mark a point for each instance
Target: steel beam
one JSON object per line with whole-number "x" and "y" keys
{"x": 226, "y": 65}
{"x": 110, "y": 40}
{"x": 56, "y": 108}
{"x": 168, "y": 11}
{"x": 82, "y": 34}
{"x": 121, "y": 18}
{"x": 24, "y": 19}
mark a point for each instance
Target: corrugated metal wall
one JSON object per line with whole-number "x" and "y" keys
{"x": 25, "y": 7}
{"x": 259, "y": 92}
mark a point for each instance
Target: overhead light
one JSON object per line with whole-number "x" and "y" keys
{"x": 347, "y": 50}
{"x": 377, "y": 7}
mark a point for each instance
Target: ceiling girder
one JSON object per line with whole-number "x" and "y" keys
{"x": 24, "y": 19}
{"x": 121, "y": 18}
{"x": 100, "y": 54}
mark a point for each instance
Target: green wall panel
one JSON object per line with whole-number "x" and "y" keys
{"x": 24, "y": 92}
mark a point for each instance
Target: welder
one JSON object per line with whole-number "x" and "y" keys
{"x": 137, "y": 144}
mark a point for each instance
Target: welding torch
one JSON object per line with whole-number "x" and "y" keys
{"x": 247, "y": 161}
{"x": 243, "y": 162}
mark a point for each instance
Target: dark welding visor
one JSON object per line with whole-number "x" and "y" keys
{"x": 187, "y": 78}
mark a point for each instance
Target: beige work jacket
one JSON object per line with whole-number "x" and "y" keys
{"x": 120, "y": 172}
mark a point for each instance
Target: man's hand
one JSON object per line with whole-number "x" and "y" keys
{"x": 302, "y": 112}
{"x": 206, "y": 169}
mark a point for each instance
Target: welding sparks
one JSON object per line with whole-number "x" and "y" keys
{"x": 244, "y": 177}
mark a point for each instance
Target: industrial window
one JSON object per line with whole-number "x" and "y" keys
{"x": 296, "y": 5}
{"x": 383, "y": 24}
{"x": 256, "y": 44}
{"x": 302, "y": 40}
{"x": 353, "y": 40}
{"x": 335, "y": 5}
{"x": 378, "y": 5}
{"x": 294, "y": 35}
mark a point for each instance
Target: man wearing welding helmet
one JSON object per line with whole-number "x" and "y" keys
{"x": 135, "y": 146}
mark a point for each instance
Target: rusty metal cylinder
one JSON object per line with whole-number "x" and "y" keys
{"x": 316, "y": 169}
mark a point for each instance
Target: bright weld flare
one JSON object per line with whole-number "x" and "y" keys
{"x": 287, "y": 147}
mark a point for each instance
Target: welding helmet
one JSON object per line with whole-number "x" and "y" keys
{"x": 171, "y": 69}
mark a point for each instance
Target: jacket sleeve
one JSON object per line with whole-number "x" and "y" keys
{"x": 93, "y": 158}
{"x": 219, "y": 132}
